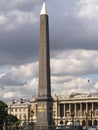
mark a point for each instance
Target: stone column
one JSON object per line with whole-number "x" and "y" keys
{"x": 75, "y": 109}
{"x": 81, "y": 108}
{"x": 69, "y": 109}
{"x": 86, "y": 107}
{"x": 92, "y": 108}
{"x": 64, "y": 110}
{"x": 58, "y": 110}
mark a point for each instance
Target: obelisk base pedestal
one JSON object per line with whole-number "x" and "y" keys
{"x": 43, "y": 126}
{"x": 44, "y": 114}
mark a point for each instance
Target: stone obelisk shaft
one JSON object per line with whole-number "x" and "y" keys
{"x": 44, "y": 56}
{"x": 44, "y": 100}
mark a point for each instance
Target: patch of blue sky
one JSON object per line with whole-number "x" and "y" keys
{"x": 93, "y": 77}
{"x": 6, "y": 69}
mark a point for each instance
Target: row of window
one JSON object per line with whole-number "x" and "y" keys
{"x": 18, "y": 109}
{"x": 21, "y": 116}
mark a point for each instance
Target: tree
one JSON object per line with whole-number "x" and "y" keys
{"x": 5, "y": 117}
{"x": 3, "y": 113}
{"x": 12, "y": 119}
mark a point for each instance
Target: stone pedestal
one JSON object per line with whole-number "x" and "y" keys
{"x": 44, "y": 114}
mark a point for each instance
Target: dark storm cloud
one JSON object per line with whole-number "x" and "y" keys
{"x": 19, "y": 33}
{"x": 19, "y": 46}
{"x": 19, "y": 29}
{"x": 22, "y": 5}
{"x": 10, "y": 80}
{"x": 68, "y": 30}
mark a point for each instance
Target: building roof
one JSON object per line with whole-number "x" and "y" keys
{"x": 21, "y": 102}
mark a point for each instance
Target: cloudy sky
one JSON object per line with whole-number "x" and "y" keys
{"x": 73, "y": 26}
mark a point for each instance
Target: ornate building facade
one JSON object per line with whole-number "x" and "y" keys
{"x": 21, "y": 109}
{"x": 78, "y": 108}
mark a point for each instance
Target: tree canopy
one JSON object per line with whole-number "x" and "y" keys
{"x": 3, "y": 112}
{"x": 4, "y": 116}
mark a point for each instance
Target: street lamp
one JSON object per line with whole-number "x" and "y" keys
{"x": 91, "y": 116}
{"x": 50, "y": 112}
{"x": 25, "y": 121}
{"x": 54, "y": 116}
{"x": 57, "y": 110}
{"x": 86, "y": 121}
{"x": 50, "y": 117}
{"x": 72, "y": 115}
{"x": 32, "y": 114}
{"x": 61, "y": 123}
{"x": 6, "y": 110}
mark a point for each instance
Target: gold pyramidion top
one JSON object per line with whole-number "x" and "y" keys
{"x": 44, "y": 9}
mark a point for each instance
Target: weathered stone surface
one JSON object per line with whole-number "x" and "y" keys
{"x": 44, "y": 100}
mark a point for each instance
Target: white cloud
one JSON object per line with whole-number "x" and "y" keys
{"x": 3, "y": 19}
{"x": 80, "y": 85}
{"x": 1, "y": 75}
{"x": 67, "y": 67}
{"x": 70, "y": 73}
{"x": 22, "y": 17}
{"x": 32, "y": 86}
{"x": 75, "y": 62}
{"x": 72, "y": 65}
{"x": 88, "y": 9}
{"x": 68, "y": 63}
{"x": 15, "y": 14}
{"x": 18, "y": 18}
{"x": 8, "y": 95}
{"x": 96, "y": 86}
{"x": 26, "y": 71}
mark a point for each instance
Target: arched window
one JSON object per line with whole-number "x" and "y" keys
{"x": 89, "y": 122}
{"x": 78, "y": 122}
{"x": 61, "y": 122}
{"x": 66, "y": 122}
{"x": 95, "y": 122}
{"x": 83, "y": 122}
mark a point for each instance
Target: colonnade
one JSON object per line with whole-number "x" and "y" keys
{"x": 77, "y": 110}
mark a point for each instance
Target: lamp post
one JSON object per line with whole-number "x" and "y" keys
{"x": 57, "y": 111}
{"x": 50, "y": 112}
{"x": 32, "y": 114}
{"x": 61, "y": 123}
{"x": 86, "y": 121}
{"x": 6, "y": 110}
{"x": 91, "y": 116}
{"x": 54, "y": 116}
{"x": 25, "y": 121}
{"x": 72, "y": 115}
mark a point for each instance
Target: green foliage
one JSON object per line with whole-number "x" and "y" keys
{"x": 3, "y": 112}
{"x": 12, "y": 119}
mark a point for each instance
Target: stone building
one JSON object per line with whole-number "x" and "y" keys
{"x": 21, "y": 109}
{"x": 80, "y": 108}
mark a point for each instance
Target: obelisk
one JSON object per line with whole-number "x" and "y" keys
{"x": 44, "y": 100}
